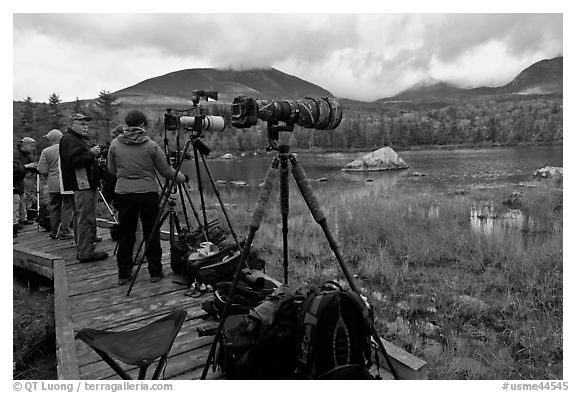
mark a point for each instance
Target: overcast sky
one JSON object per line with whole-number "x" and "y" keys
{"x": 358, "y": 56}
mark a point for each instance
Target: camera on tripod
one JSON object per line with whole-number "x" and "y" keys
{"x": 194, "y": 119}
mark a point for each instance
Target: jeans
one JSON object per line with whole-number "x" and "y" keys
{"x": 61, "y": 212}
{"x": 85, "y": 223}
{"x": 18, "y": 208}
{"x": 131, "y": 207}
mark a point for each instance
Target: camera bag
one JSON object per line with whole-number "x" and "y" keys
{"x": 333, "y": 338}
{"x": 260, "y": 342}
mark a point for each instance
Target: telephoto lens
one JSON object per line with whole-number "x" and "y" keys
{"x": 207, "y": 123}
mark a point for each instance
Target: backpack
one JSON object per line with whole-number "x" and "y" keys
{"x": 333, "y": 337}
{"x": 258, "y": 342}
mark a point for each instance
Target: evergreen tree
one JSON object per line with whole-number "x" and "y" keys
{"x": 54, "y": 111}
{"x": 27, "y": 118}
{"x": 106, "y": 109}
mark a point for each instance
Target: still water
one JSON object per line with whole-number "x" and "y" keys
{"x": 430, "y": 170}
{"x": 442, "y": 170}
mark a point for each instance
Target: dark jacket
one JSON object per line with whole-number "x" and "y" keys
{"x": 19, "y": 159}
{"x": 79, "y": 168}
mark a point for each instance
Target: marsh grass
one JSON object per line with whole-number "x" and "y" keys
{"x": 472, "y": 305}
{"x": 34, "y": 352}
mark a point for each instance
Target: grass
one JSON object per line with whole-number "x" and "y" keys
{"x": 471, "y": 304}
{"x": 34, "y": 350}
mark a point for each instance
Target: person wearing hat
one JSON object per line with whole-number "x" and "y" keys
{"x": 80, "y": 174}
{"x": 22, "y": 165}
{"x": 61, "y": 203}
{"x": 134, "y": 159}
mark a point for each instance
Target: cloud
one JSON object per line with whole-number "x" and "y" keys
{"x": 362, "y": 56}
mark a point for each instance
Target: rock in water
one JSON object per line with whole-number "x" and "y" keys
{"x": 550, "y": 172}
{"x": 380, "y": 160}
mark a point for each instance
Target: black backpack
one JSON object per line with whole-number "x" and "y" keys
{"x": 333, "y": 338}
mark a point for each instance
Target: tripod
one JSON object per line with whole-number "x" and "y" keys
{"x": 279, "y": 165}
{"x": 202, "y": 151}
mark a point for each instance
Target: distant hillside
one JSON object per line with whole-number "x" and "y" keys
{"x": 176, "y": 87}
{"x": 543, "y": 77}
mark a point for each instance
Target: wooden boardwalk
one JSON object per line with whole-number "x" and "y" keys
{"x": 88, "y": 295}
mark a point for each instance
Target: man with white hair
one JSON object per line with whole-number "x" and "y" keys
{"x": 80, "y": 174}
{"x": 61, "y": 203}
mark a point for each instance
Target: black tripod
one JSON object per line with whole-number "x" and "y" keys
{"x": 202, "y": 150}
{"x": 280, "y": 164}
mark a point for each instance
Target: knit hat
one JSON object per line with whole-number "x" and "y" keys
{"x": 135, "y": 119}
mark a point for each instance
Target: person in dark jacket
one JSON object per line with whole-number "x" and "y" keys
{"x": 22, "y": 165}
{"x": 80, "y": 173}
{"x": 134, "y": 159}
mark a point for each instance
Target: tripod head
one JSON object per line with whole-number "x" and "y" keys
{"x": 172, "y": 202}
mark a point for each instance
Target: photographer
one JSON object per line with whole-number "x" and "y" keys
{"x": 134, "y": 159}
{"x": 80, "y": 174}
{"x": 22, "y": 165}
{"x": 61, "y": 203}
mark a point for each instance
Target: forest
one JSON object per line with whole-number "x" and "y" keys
{"x": 511, "y": 120}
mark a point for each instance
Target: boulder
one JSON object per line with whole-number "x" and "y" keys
{"x": 228, "y": 156}
{"x": 549, "y": 172}
{"x": 514, "y": 200}
{"x": 379, "y": 160}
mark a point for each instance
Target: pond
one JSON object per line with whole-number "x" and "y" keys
{"x": 442, "y": 170}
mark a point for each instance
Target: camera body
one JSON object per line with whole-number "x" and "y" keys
{"x": 194, "y": 119}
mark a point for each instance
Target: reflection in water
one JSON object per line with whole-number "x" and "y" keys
{"x": 485, "y": 221}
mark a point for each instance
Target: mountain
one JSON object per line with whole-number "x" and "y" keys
{"x": 176, "y": 87}
{"x": 543, "y": 77}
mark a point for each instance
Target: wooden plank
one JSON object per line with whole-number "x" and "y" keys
{"x": 406, "y": 365}
{"x": 88, "y": 295}
{"x": 67, "y": 362}
{"x": 35, "y": 261}
{"x": 32, "y": 267}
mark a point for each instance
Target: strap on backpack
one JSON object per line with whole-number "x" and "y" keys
{"x": 310, "y": 322}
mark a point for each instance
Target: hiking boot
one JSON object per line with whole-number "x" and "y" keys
{"x": 97, "y": 239}
{"x": 125, "y": 280}
{"x": 53, "y": 236}
{"x": 15, "y": 229}
{"x": 66, "y": 236}
{"x": 155, "y": 279}
{"x": 97, "y": 256}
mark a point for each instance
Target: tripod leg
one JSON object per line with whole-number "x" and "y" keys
{"x": 217, "y": 192}
{"x": 284, "y": 205}
{"x": 108, "y": 206}
{"x": 180, "y": 187}
{"x": 202, "y": 228}
{"x": 314, "y": 207}
{"x": 200, "y": 190}
{"x": 257, "y": 217}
